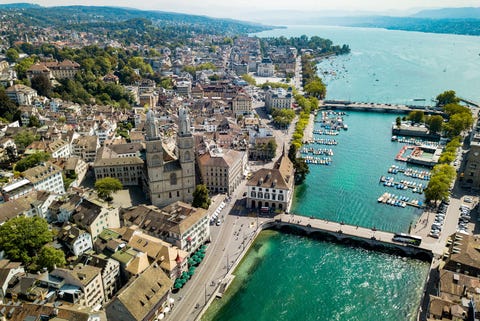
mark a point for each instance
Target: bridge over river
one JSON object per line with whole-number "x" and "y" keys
{"x": 344, "y": 233}
{"x": 378, "y": 107}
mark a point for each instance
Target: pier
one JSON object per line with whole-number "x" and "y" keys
{"x": 378, "y": 107}
{"x": 356, "y": 235}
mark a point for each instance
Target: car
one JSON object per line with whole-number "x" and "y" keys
{"x": 467, "y": 200}
{"x": 434, "y": 235}
{"x": 218, "y": 222}
{"x": 455, "y": 163}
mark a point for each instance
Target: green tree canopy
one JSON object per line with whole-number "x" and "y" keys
{"x": 435, "y": 123}
{"x": 200, "y": 197}
{"x": 106, "y": 186}
{"x": 33, "y": 121}
{"x": 42, "y": 85}
{"x": 24, "y": 138}
{"x": 316, "y": 88}
{"x": 8, "y": 109}
{"x": 22, "y": 237}
{"x": 416, "y": 116}
{"x": 31, "y": 161}
{"x": 12, "y": 55}
{"x": 447, "y": 97}
{"x": 50, "y": 257}
{"x": 249, "y": 79}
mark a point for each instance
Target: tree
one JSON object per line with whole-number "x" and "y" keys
{"x": 31, "y": 161}
{"x": 12, "y": 55}
{"x": 24, "y": 138}
{"x": 316, "y": 88}
{"x": 435, "y": 123}
{"x": 50, "y": 257}
{"x": 22, "y": 67}
{"x": 447, "y": 97}
{"x": 416, "y": 116}
{"x": 106, "y": 186}
{"x": 22, "y": 237}
{"x": 249, "y": 79}
{"x": 33, "y": 121}
{"x": 200, "y": 197}
{"x": 398, "y": 122}
{"x": 271, "y": 148}
{"x": 42, "y": 85}
{"x": 8, "y": 109}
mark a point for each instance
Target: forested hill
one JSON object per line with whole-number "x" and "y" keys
{"x": 462, "y": 21}
{"x": 82, "y": 17}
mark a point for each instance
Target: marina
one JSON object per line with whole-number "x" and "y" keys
{"x": 410, "y": 172}
{"x": 318, "y": 160}
{"x": 399, "y": 200}
{"x": 414, "y": 141}
{"x": 318, "y": 151}
{"x": 402, "y": 184}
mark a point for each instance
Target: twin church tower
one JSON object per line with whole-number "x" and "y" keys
{"x": 170, "y": 178}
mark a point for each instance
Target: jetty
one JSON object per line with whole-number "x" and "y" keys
{"x": 378, "y": 107}
{"x": 363, "y": 236}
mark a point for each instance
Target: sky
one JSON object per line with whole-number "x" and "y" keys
{"x": 243, "y": 9}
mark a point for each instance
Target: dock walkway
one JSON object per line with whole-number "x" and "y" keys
{"x": 385, "y": 108}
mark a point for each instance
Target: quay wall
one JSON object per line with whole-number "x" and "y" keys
{"x": 374, "y": 107}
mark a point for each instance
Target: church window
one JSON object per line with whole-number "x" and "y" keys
{"x": 170, "y": 194}
{"x": 178, "y": 193}
{"x": 155, "y": 160}
{"x": 173, "y": 179}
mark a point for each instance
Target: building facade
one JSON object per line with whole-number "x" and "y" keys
{"x": 169, "y": 178}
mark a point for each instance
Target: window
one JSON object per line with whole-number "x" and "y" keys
{"x": 280, "y": 197}
{"x": 260, "y": 195}
{"x": 173, "y": 179}
{"x": 253, "y": 194}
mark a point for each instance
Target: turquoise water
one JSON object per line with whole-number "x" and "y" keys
{"x": 348, "y": 189}
{"x": 285, "y": 277}
{"x": 407, "y": 65}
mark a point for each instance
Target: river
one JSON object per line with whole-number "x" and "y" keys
{"x": 285, "y": 277}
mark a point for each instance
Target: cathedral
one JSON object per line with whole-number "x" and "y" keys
{"x": 169, "y": 178}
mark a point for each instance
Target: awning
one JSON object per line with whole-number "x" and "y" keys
{"x": 161, "y": 316}
{"x": 166, "y": 310}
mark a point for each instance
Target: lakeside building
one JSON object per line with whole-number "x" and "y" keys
{"x": 272, "y": 189}
{"x": 471, "y": 176}
{"x": 278, "y": 98}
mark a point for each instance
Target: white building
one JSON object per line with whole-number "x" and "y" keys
{"x": 46, "y": 177}
{"x": 76, "y": 240}
{"x": 266, "y": 68}
{"x": 278, "y": 98}
{"x": 21, "y": 94}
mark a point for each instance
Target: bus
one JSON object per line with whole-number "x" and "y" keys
{"x": 407, "y": 239}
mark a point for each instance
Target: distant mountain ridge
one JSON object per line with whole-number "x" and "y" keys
{"x": 449, "y": 13}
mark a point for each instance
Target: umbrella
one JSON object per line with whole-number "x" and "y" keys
{"x": 192, "y": 269}
{"x": 190, "y": 273}
{"x": 184, "y": 276}
{"x": 191, "y": 261}
{"x": 177, "y": 285}
{"x": 203, "y": 247}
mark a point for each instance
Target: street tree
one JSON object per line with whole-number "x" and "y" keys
{"x": 106, "y": 186}
{"x": 416, "y": 116}
{"x": 200, "y": 197}
{"x": 49, "y": 257}
{"x": 271, "y": 148}
{"x": 398, "y": 122}
{"x": 316, "y": 88}
{"x": 22, "y": 237}
{"x": 33, "y": 121}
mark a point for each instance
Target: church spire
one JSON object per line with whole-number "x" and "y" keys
{"x": 151, "y": 127}
{"x": 183, "y": 122}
